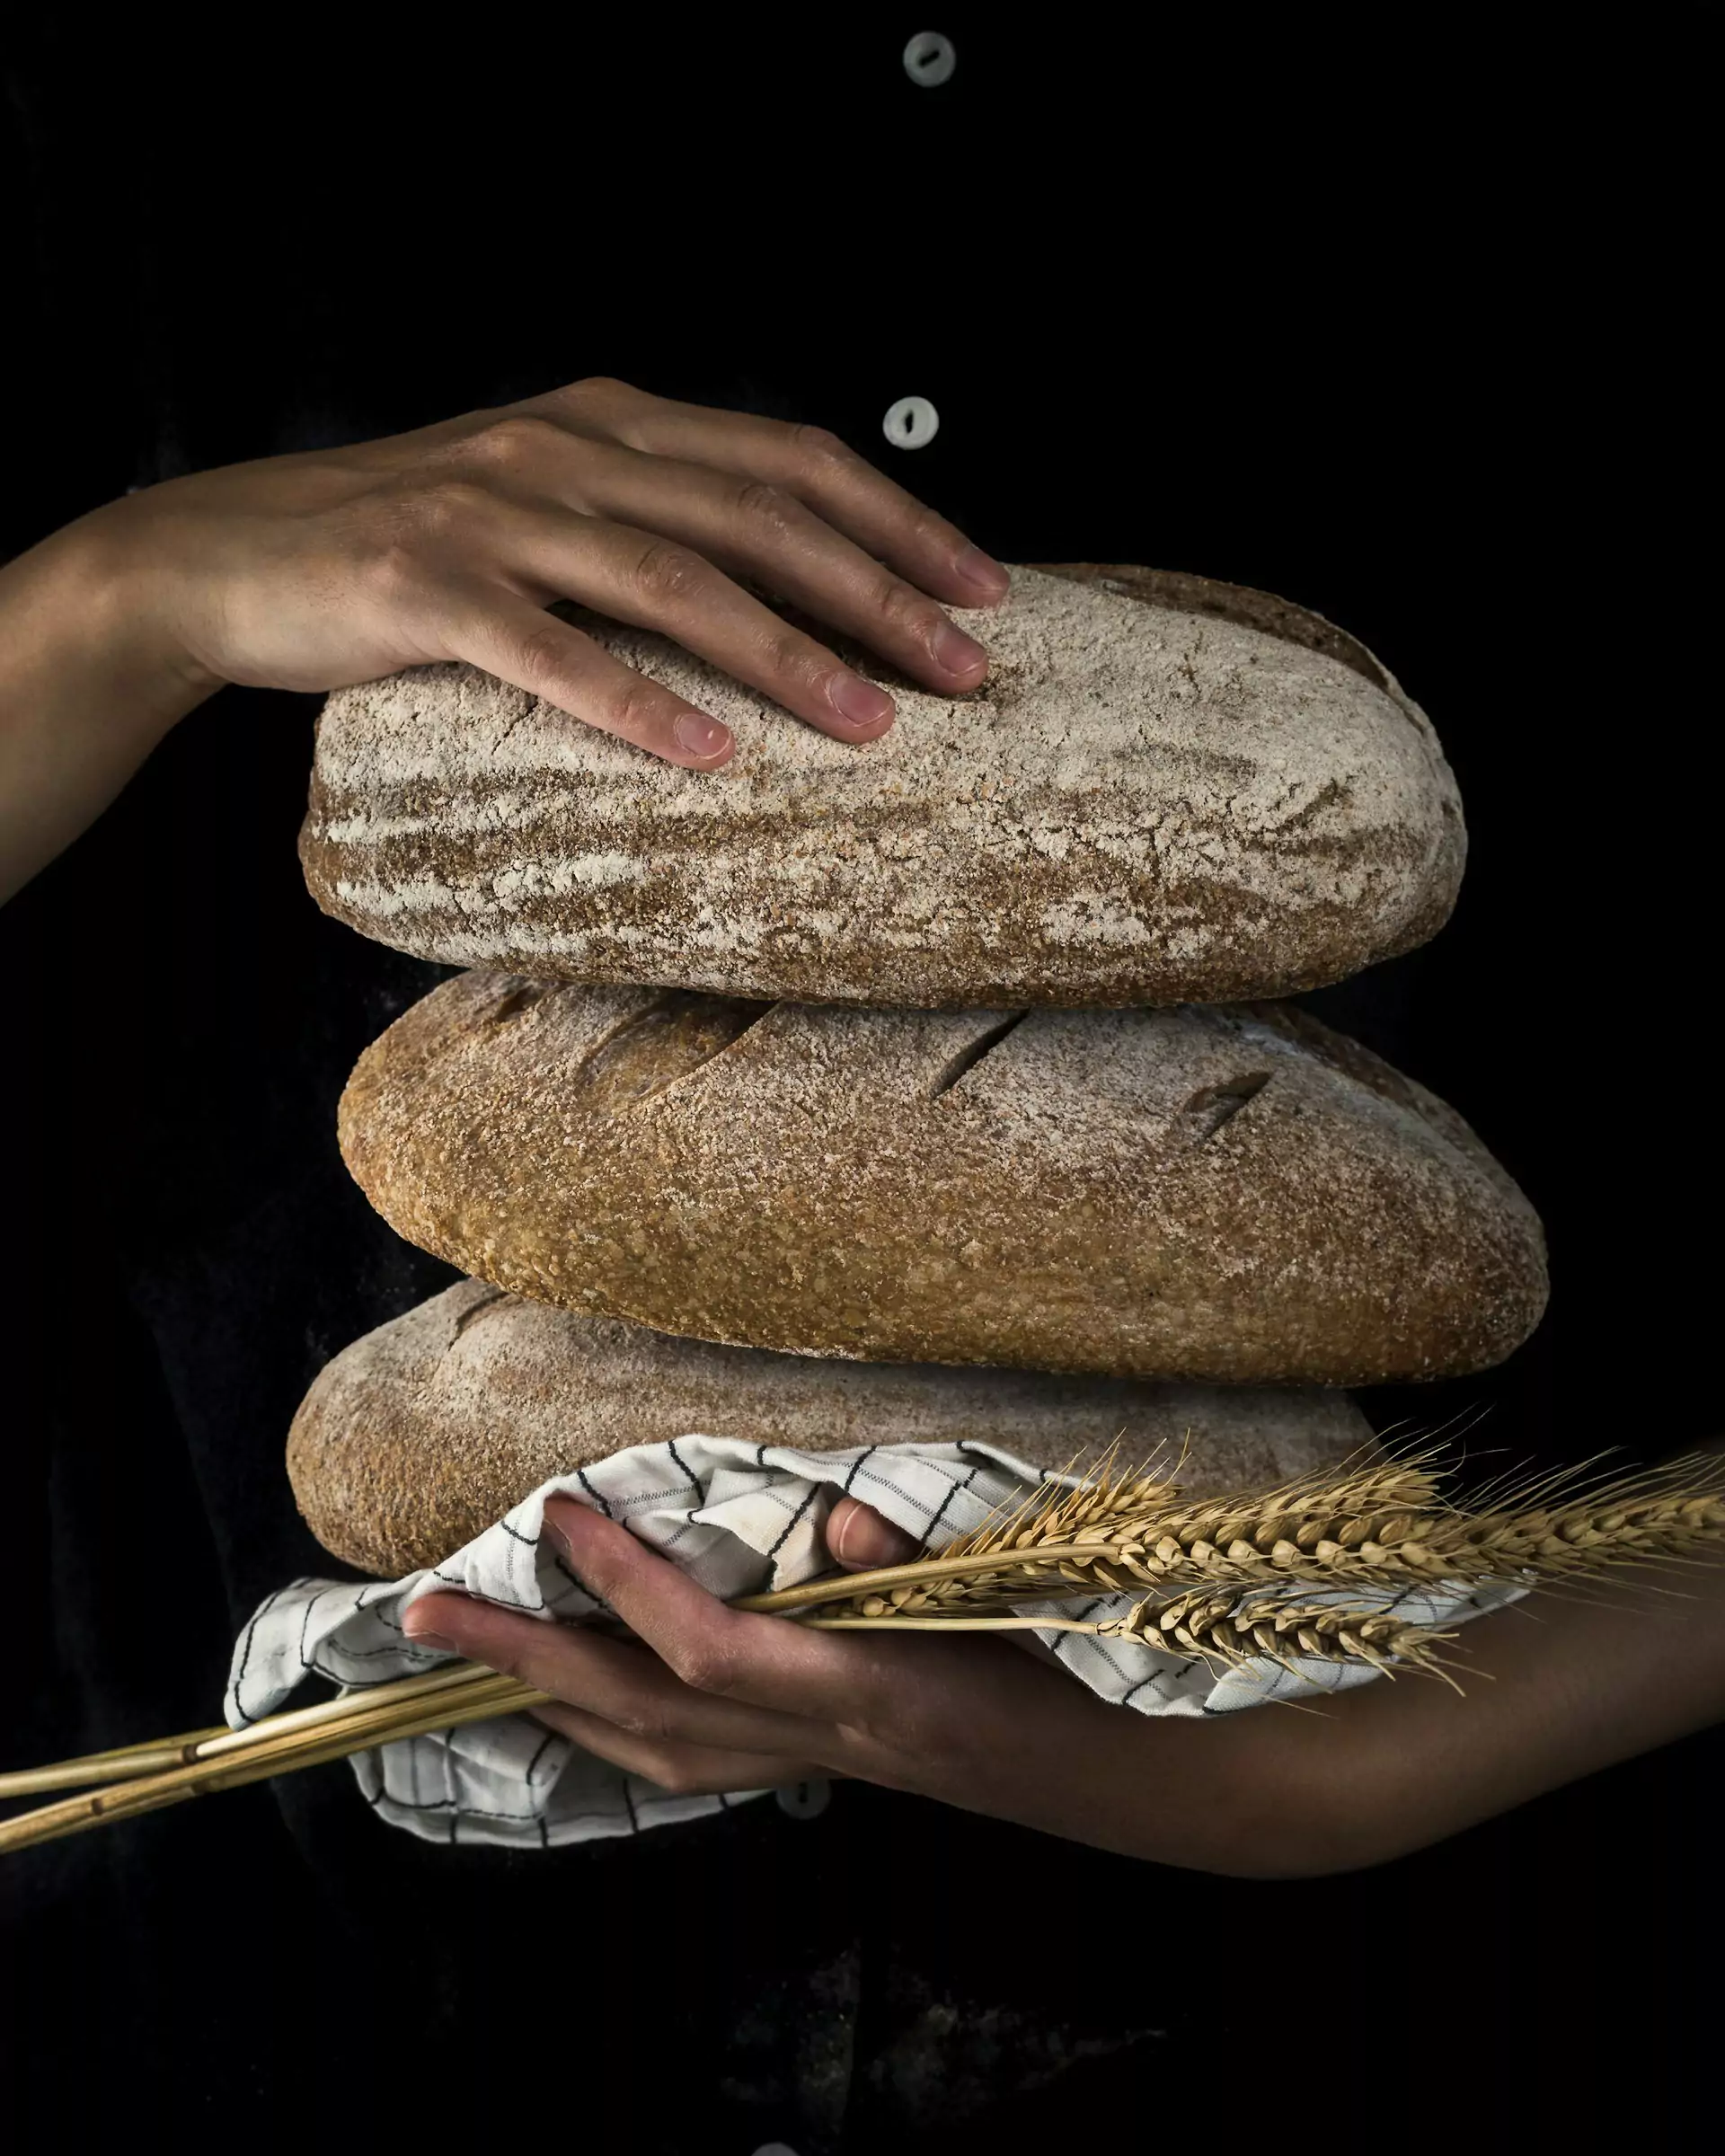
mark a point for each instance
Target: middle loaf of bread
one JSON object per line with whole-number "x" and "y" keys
{"x": 1230, "y": 1194}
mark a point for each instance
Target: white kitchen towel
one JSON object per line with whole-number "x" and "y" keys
{"x": 742, "y": 1518}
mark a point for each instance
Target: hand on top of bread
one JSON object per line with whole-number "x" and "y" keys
{"x": 338, "y": 566}
{"x": 316, "y": 571}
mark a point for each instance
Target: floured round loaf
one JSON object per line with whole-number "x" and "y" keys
{"x": 420, "y": 1436}
{"x": 1169, "y": 789}
{"x": 1224, "y": 1193}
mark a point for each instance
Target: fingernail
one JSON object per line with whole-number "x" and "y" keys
{"x": 859, "y": 703}
{"x": 882, "y": 1542}
{"x": 422, "y": 1636}
{"x": 955, "y": 653}
{"x": 700, "y": 736}
{"x": 558, "y": 1539}
{"x": 984, "y": 571}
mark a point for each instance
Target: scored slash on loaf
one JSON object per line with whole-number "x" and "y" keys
{"x": 417, "y": 1437}
{"x": 1168, "y": 789}
{"x": 1232, "y": 1195}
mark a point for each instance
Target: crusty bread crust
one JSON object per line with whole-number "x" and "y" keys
{"x": 1169, "y": 789}
{"x": 420, "y": 1434}
{"x": 1232, "y": 1195}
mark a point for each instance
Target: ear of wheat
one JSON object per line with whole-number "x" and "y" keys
{"x": 1233, "y": 1630}
{"x": 1218, "y": 1578}
{"x": 1385, "y": 1525}
{"x": 1226, "y": 1630}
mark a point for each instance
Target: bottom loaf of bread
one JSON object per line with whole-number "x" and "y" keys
{"x": 420, "y": 1434}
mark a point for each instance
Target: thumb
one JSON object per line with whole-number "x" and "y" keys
{"x": 860, "y": 1538}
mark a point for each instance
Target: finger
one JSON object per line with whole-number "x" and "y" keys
{"x": 639, "y": 577}
{"x": 616, "y": 1680}
{"x": 505, "y": 634}
{"x": 763, "y": 1661}
{"x": 808, "y": 462}
{"x": 683, "y": 1770}
{"x": 752, "y": 528}
{"x": 861, "y": 1539}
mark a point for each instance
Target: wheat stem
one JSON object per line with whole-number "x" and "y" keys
{"x": 280, "y": 1742}
{"x": 127, "y": 1761}
{"x": 1384, "y": 1528}
{"x": 119, "y": 1764}
{"x": 1216, "y": 1578}
{"x": 357, "y": 1707}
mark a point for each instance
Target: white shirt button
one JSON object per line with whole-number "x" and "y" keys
{"x": 912, "y": 423}
{"x": 805, "y": 1799}
{"x": 930, "y": 59}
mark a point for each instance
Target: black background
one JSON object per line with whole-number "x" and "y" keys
{"x": 1400, "y": 320}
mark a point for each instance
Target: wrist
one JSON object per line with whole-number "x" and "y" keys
{"x": 94, "y": 608}
{"x": 91, "y": 679}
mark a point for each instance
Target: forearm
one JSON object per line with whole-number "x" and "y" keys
{"x": 1554, "y": 1689}
{"x": 88, "y": 686}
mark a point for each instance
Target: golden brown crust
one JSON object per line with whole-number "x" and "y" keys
{"x": 420, "y": 1436}
{"x": 1220, "y": 1194}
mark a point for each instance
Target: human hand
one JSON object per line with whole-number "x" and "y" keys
{"x": 315, "y": 571}
{"x": 706, "y": 1698}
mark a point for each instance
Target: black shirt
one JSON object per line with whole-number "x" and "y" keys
{"x": 1404, "y": 331}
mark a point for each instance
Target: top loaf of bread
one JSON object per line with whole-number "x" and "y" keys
{"x": 1167, "y": 790}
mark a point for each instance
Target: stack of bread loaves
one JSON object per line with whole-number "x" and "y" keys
{"x": 933, "y": 1091}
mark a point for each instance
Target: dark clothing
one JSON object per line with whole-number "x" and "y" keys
{"x": 1402, "y": 332}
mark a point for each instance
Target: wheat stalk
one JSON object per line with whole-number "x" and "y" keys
{"x": 122, "y": 1763}
{"x": 1225, "y": 1630}
{"x": 383, "y": 1714}
{"x": 1383, "y": 1526}
{"x": 1122, "y": 1533}
{"x": 1216, "y": 1577}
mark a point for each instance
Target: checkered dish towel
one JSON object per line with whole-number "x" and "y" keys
{"x": 742, "y": 1518}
